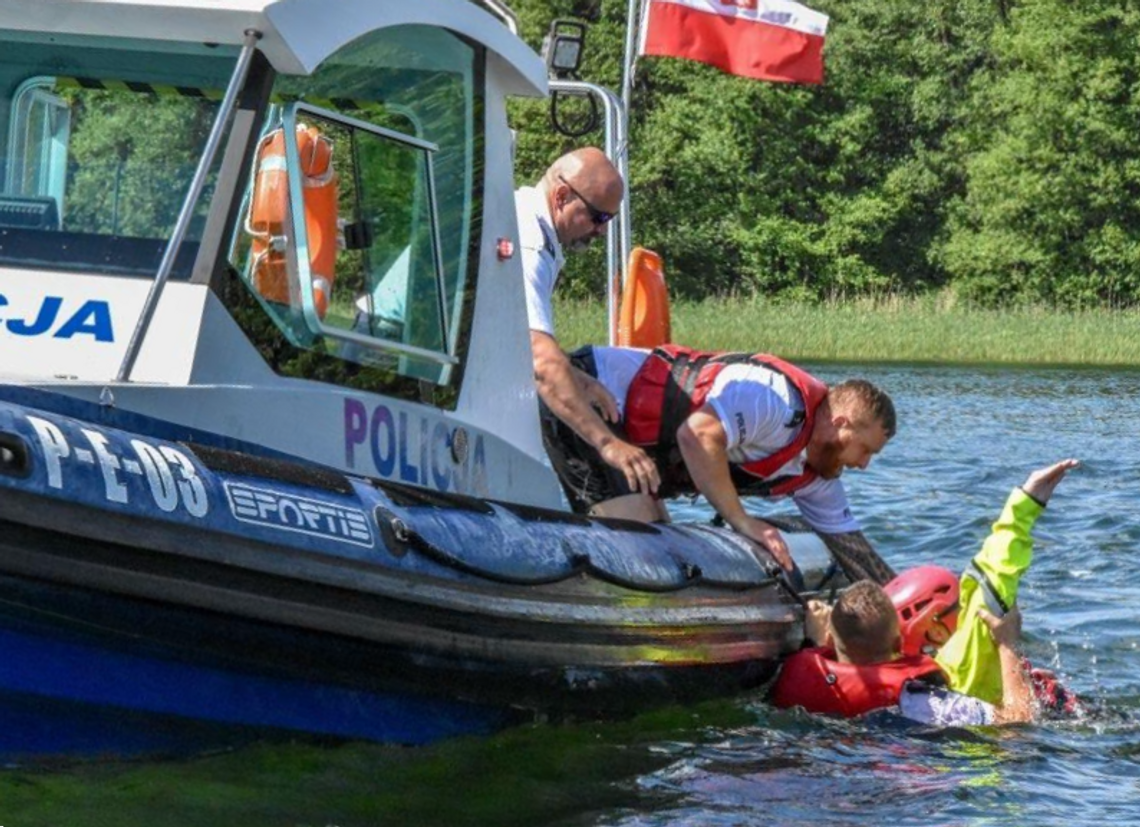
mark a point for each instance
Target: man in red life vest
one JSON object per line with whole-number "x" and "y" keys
{"x": 858, "y": 667}
{"x": 727, "y": 425}
{"x": 933, "y": 614}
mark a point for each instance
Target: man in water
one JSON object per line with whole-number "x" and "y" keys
{"x": 977, "y": 676}
{"x": 857, "y": 668}
{"x": 727, "y": 425}
{"x": 568, "y": 208}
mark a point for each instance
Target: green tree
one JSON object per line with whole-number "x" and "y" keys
{"x": 746, "y": 186}
{"x": 128, "y": 181}
{"x": 1050, "y": 211}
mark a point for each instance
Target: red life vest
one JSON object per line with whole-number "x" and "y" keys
{"x": 813, "y": 679}
{"x": 675, "y": 381}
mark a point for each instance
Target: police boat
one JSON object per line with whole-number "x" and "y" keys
{"x": 270, "y": 456}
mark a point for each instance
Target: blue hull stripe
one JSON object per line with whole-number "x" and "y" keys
{"x": 75, "y": 672}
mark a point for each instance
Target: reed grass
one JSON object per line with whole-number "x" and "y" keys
{"x": 933, "y": 329}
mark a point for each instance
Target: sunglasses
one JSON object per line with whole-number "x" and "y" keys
{"x": 599, "y": 217}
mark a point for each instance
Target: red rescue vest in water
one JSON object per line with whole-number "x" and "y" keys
{"x": 675, "y": 381}
{"x": 815, "y": 680}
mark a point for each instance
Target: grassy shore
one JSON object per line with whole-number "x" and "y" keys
{"x": 934, "y": 329}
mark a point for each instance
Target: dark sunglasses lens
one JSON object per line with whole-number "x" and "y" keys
{"x": 600, "y": 218}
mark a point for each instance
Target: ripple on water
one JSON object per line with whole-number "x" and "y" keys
{"x": 966, "y": 438}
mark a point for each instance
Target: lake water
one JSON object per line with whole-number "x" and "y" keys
{"x": 966, "y": 437}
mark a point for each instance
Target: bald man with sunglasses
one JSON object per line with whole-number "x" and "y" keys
{"x": 569, "y": 207}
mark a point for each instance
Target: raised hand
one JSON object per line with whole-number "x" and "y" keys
{"x": 1041, "y": 482}
{"x": 1006, "y": 630}
{"x": 817, "y": 621}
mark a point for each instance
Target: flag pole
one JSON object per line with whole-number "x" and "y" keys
{"x": 632, "y": 26}
{"x": 633, "y": 17}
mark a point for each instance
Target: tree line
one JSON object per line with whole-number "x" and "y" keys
{"x": 988, "y": 147}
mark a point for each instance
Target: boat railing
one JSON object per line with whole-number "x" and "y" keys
{"x": 503, "y": 11}
{"x": 616, "y": 146}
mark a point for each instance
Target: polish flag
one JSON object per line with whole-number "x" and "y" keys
{"x": 764, "y": 39}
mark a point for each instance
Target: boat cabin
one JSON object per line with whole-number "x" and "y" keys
{"x": 283, "y": 226}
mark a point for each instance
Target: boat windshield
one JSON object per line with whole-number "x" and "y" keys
{"x": 101, "y": 140}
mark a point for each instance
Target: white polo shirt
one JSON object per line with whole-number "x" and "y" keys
{"x": 755, "y": 406}
{"x": 541, "y": 255}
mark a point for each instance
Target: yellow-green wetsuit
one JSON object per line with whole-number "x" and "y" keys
{"x": 970, "y": 657}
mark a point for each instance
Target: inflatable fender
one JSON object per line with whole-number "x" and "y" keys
{"x": 644, "y": 318}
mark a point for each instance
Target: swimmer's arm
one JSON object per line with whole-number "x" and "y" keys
{"x": 1016, "y": 697}
{"x": 1016, "y": 693}
{"x": 1008, "y": 551}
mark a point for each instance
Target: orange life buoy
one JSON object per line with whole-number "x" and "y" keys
{"x": 269, "y": 209}
{"x": 644, "y": 318}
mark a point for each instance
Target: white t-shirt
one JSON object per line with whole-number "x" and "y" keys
{"x": 541, "y": 255}
{"x": 937, "y": 706}
{"x": 754, "y": 406}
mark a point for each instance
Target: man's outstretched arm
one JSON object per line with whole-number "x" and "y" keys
{"x": 704, "y": 449}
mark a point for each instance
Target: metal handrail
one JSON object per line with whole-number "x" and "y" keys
{"x": 618, "y": 240}
{"x": 505, "y": 12}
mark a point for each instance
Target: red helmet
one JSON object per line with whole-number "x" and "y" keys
{"x": 926, "y": 599}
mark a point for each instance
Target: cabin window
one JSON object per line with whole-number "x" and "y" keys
{"x": 341, "y": 240}
{"x": 400, "y": 114}
{"x": 97, "y": 161}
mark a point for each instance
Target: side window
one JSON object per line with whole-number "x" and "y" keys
{"x": 97, "y": 169}
{"x": 396, "y": 230}
{"x": 343, "y": 241}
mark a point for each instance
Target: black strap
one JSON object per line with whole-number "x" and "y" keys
{"x": 547, "y": 239}
{"x": 676, "y": 400}
{"x": 792, "y": 583}
{"x": 753, "y": 486}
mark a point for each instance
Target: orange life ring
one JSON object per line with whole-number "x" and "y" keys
{"x": 644, "y": 317}
{"x": 269, "y": 209}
